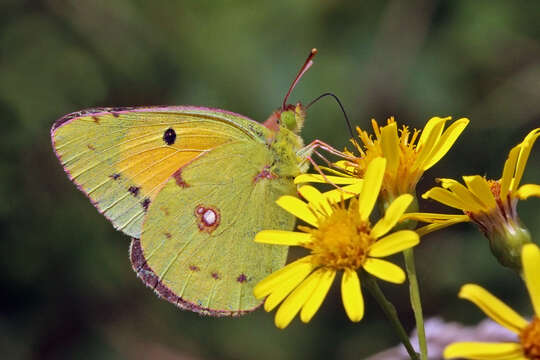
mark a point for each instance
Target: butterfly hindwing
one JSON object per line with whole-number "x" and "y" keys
{"x": 121, "y": 158}
{"x": 196, "y": 248}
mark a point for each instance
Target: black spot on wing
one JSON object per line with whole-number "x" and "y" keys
{"x": 169, "y": 136}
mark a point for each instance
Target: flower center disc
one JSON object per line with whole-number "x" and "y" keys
{"x": 530, "y": 340}
{"x": 342, "y": 239}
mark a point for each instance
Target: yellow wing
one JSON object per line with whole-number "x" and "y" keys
{"x": 122, "y": 157}
{"x": 196, "y": 249}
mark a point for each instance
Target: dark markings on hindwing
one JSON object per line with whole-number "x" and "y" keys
{"x": 134, "y": 190}
{"x": 242, "y": 278}
{"x": 145, "y": 204}
{"x": 179, "y": 180}
{"x": 150, "y": 279}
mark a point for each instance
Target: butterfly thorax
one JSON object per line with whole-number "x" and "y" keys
{"x": 284, "y": 147}
{"x": 284, "y": 141}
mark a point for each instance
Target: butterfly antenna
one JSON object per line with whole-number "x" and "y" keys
{"x": 303, "y": 69}
{"x": 340, "y": 105}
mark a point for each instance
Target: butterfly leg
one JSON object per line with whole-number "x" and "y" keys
{"x": 309, "y": 148}
{"x": 319, "y": 170}
{"x": 312, "y": 147}
{"x": 326, "y": 179}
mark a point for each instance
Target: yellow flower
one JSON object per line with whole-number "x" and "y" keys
{"x": 528, "y": 332}
{"x": 407, "y": 158}
{"x": 491, "y": 204}
{"x": 340, "y": 239}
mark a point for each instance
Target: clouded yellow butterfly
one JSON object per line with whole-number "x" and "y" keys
{"x": 191, "y": 186}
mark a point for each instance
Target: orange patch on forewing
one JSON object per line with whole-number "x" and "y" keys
{"x": 148, "y": 161}
{"x": 208, "y": 218}
{"x": 150, "y": 169}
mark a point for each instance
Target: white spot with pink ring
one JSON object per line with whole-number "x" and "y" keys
{"x": 208, "y": 218}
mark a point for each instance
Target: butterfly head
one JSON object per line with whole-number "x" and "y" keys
{"x": 291, "y": 117}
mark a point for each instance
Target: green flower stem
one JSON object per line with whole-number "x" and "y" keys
{"x": 390, "y": 312}
{"x": 416, "y": 304}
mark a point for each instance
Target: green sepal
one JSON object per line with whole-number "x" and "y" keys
{"x": 506, "y": 242}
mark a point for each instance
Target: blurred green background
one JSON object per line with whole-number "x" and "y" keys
{"x": 68, "y": 291}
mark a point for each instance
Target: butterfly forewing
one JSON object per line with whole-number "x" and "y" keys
{"x": 121, "y": 159}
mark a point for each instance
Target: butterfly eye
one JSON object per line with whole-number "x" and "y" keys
{"x": 289, "y": 120}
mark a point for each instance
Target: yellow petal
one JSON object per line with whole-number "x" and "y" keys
{"x": 465, "y": 195}
{"x": 424, "y": 230}
{"x": 390, "y": 147}
{"x": 428, "y": 139}
{"x": 345, "y": 165}
{"x": 446, "y": 141}
{"x": 372, "y": 185}
{"x": 528, "y": 190}
{"x": 298, "y": 208}
{"x": 445, "y": 197}
{"x": 432, "y": 124}
{"x": 483, "y": 351}
{"x": 392, "y": 215}
{"x": 284, "y": 288}
{"x": 530, "y": 256}
{"x": 314, "y": 302}
{"x": 508, "y": 171}
{"x": 438, "y": 221}
{"x": 282, "y": 237}
{"x": 384, "y": 270}
{"x": 267, "y": 285}
{"x": 351, "y": 295}
{"x": 431, "y": 217}
{"x": 315, "y": 198}
{"x": 394, "y": 243}
{"x": 318, "y": 178}
{"x": 493, "y": 307}
{"x": 479, "y": 186}
{"x": 294, "y": 302}
{"x": 340, "y": 172}
{"x": 346, "y": 192}
{"x": 526, "y": 147}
